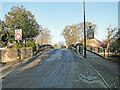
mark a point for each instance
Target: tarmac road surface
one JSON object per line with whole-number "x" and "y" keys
{"x": 56, "y": 68}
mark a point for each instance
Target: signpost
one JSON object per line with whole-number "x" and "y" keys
{"x": 18, "y": 36}
{"x": 90, "y": 33}
{"x": 84, "y": 50}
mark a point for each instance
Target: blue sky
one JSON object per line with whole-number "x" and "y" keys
{"x": 56, "y": 15}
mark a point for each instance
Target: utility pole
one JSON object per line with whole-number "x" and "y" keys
{"x": 84, "y": 31}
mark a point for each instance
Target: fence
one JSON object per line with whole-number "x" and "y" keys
{"x": 109, "y": 54}
{"x": 77, "y": 47}
{"x": 103, "y": 51}
{"x": 11, "y": 54}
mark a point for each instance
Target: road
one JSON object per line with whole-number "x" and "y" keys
{"x": 56, "y": 68}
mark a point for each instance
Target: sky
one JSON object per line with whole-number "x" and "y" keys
{"x": 56, "y": 15}
{"x": 119, "y": 15}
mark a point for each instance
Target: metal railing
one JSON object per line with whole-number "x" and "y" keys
{"x": 109, "y": 53}
{"x": 106, "y": 53}
{"x": 77, "y": 47}
{"x": 41, "y": 48}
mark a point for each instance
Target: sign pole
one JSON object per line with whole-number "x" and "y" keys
{"x": 84, "y": 32}
{"x": 18, "y": 51}
{"x": 18, "y": 36}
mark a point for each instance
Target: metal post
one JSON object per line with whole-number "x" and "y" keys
{"x": 25, "y": 48}
{"x": 18, "y": 51}
{"x": 84, "y": 32}
{"x": 108, "y": 51}
{"x": 41, "y": 37}
{"x": 104, "y": 51}
{"x": 94, "y": 49}
{"x": 98, "y": 50}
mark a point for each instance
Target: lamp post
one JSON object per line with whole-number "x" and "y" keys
{"x": 84, "y": 31}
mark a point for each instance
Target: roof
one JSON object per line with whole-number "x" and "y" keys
{"x": 98, "y": 42}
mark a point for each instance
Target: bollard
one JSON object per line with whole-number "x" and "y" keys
{"x": 108, "y": 52}
{"x": 79, "y": 49}
{"x": 94, "y": 49}
{"x": 104, "y": 51}
{"x": 98, "y": 50}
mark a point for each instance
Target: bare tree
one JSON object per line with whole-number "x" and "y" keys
{"x": 44, "y": 36}
{"x": 110, "y": 34}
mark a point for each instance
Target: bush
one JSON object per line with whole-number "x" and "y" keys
{"x": 31, "y": 44}
{"x": 91, "y": 48}
{"x": 20, "y": 45}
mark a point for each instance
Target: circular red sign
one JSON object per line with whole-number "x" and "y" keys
{"x": 18, "y": 36}
{"x": 90, "y": 35}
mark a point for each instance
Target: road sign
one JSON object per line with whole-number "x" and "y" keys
{"x": 90, "y": 34}
{"x": 18, "y": 34}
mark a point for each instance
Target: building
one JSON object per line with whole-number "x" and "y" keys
{"x": 94, "y": 43}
